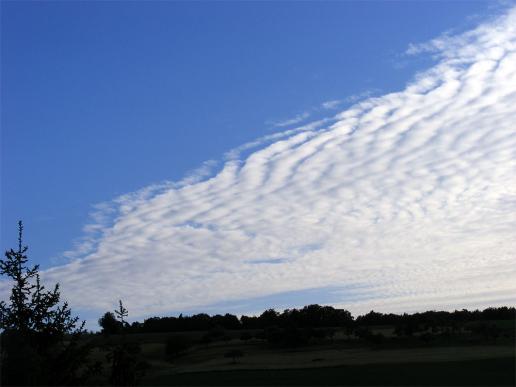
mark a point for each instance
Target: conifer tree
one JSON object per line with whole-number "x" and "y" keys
{"x": 40, "y": 338}
{"x": 121, "y": 313}
{"x": 126, "y": 365}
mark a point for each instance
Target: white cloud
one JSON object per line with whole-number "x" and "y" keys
{"x": 408, "y": 198}
{"x": 292, "y": 121}
{"x": 354, "y": 98}
{"x": 332, "y": 104}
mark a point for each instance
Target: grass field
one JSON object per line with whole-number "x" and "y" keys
{"x": 485, "y": 372}
{"x": 260, "y": 357}
{"x": 461, "y": 361}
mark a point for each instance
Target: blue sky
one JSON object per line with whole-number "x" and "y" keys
{"x": 101, "y": 99}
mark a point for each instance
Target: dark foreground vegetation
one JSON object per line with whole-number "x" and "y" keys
{"x": 43, "y": 344}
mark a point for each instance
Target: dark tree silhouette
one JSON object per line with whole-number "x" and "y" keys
{"x": 121, "y": 313}
{"x": 269, "y": 318}
{"x": 40, "y": 338}
{"x": 109, "y": 324}
{"x": 126, "y": 366}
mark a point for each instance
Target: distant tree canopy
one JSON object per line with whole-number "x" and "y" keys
{"x": 437, "y": 318}
{"x": 197, "y": 322}
{"x": 312, "y": 316}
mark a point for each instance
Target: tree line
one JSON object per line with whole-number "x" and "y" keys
{"x": 310, "y": 316}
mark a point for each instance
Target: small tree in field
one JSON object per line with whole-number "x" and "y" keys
{"x": 121, "y": 313}
{"x": 126, "y": 366}
{"x": 40, "y": 337}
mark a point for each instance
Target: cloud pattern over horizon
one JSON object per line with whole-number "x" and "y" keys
{"x": 402, "y": 202}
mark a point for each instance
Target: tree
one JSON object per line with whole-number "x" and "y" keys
{"x": 269, "y": 318}
{"x": 109, "y": 324}
{"x": 121, "y": 313}
{"x": 40, "y": 338}
{"x": 126, "y": 367}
